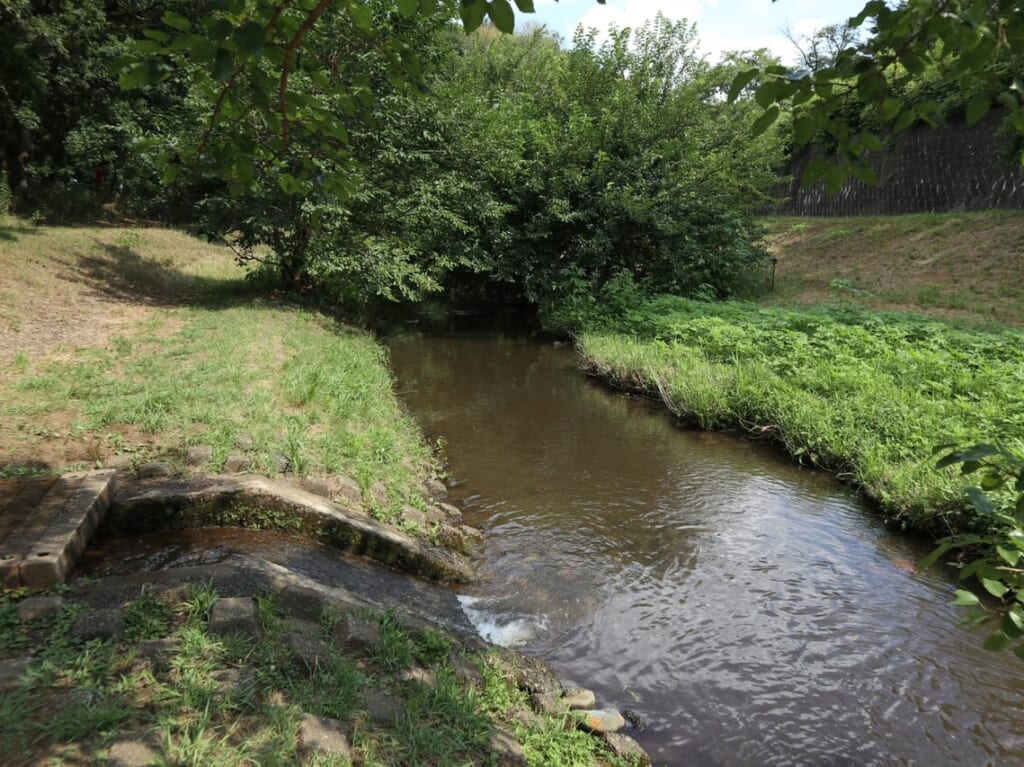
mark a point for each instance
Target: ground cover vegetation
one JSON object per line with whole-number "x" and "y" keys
{"x": 371, "y": 151}
{"x": 958, "y": 266}
{"x": 204, "y": 698}
{"x": 140, "y": 342}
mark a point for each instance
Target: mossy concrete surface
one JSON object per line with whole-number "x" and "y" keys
{"x": 266, "y": 504}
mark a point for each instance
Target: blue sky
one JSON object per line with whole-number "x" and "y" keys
{"x": 721, "y": 24}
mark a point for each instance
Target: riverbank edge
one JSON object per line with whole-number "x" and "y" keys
{"x": 280, "y": 628}
{"x": 630, "y": 382}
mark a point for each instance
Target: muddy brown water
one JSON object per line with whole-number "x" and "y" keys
{"x": 753, "y": 613}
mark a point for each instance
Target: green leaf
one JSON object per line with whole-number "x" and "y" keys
{"x": 135, "y": 77}
{"x": 933, "y": 557}
{"x": 408, "y": 8}
{"x": 979, "y": 500}
{"x": 526, "y": 6}
{"x": 289, "y": 184}
{"x": 889, "y": 108}
{"x": 965, "y": 598}
{"x": 762, "y": 123}
{"x": 997, "y": 641}
{"x": 472, "y": 13}
{"x": 171, "y": 172}
{"x": 250, "y": 38}
{"x": 977, "y": 108}
{"x": 176, "y": 20}
{"x": 223, "y": 65}
{"x": 992, "y": 482}
{"x": 993, "y": 587}
{"x": 502, "y": 15}
{"x": 1015, "y": 617}
{"x": 219, "y": 30}
{"x": 871, "y": 142}
{"x": 741, "y": 81}
{"x": 1010, "y": 556}
{"x": 361, "y": 16}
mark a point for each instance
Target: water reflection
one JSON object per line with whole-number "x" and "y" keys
{"x": 752, "y": 612}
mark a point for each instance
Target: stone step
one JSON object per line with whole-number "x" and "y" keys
{"x": 43, "y": 548}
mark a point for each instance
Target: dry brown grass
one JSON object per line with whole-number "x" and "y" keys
{"x": 961, "y": 266}
{"x": 66, "y": 289}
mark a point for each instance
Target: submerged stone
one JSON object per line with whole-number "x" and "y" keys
{"x": 627, "y": 749}
{"x": 579, "y": 698}
{"x": 601, "y": 720}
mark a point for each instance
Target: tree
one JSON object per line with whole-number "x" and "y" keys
{"x": 969, "y": 45}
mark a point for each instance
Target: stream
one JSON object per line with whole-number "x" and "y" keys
{"x": 750, "y": 611}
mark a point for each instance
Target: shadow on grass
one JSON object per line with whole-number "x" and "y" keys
{"x": 125, "y": 275}
{"x": 11, "y": 229}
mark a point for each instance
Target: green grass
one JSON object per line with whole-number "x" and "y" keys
{"x": 223, "y": 368}
{"x": 863, "y": 394}
{"x": 960, "y": 266}
{"x": 77, "y": 699}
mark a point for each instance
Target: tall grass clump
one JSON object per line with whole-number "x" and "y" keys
{"x": 865, "y": 395}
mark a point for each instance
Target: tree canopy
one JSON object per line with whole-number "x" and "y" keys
{"x": 920, "y": 61}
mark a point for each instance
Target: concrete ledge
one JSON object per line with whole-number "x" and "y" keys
{"x": 41, "y": 551}
{"x": 261, "y": 503}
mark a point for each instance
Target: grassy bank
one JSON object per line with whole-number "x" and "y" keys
{"x": 959, "y": 266}
{"x": 863, "y": 394}
{"x": 198, "y": 698}
{"x": 143, "y": 342}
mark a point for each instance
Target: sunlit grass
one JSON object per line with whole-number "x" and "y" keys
{"x": 867, "y": 396}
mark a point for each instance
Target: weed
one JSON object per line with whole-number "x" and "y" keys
{"x": 146, "y": 618}
{"x": 198, "y": 601}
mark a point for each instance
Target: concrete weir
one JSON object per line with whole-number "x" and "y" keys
{"x": 49, "y": 524}
{"x": 258, "y": 502}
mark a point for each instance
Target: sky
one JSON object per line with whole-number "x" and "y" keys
{"x": 722, "y": 25}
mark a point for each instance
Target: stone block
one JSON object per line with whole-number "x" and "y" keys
{"x": 414, "y": 517}
{"x": 346, "y": 489}
{"x": 309, "y": 653}
{"x": 11, "y": 670}
{"x": 382, "y": 708}
{"x": 577, "y": 698}
{"x": 315, "y": 485}
{"x": 236, "y": 616}
{"x": 107, "y": 623}
{"x": 158, "y": 652}
{"x": 355, "y": 635}
{"x": 199, "y": 455}
{"x": 453, "y": 514}
{"x": 237, "y": 464}
{"x": 627, "y": 749}
{"x": 323, "y": 736}
{"x": 154, "y": 470}
{"x": 435, "y": 489}
{"x": 507, "y": 751}
{"x": 302, "y": 603}
{"x": 140, "y": 749}
{"x": 238, "y": 684}
{"x": 39, "y": 608}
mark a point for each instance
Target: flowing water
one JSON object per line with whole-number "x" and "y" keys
{"x": 751, "y": 612}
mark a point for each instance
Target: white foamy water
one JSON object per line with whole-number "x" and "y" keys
{"x": 496, "y": 629}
